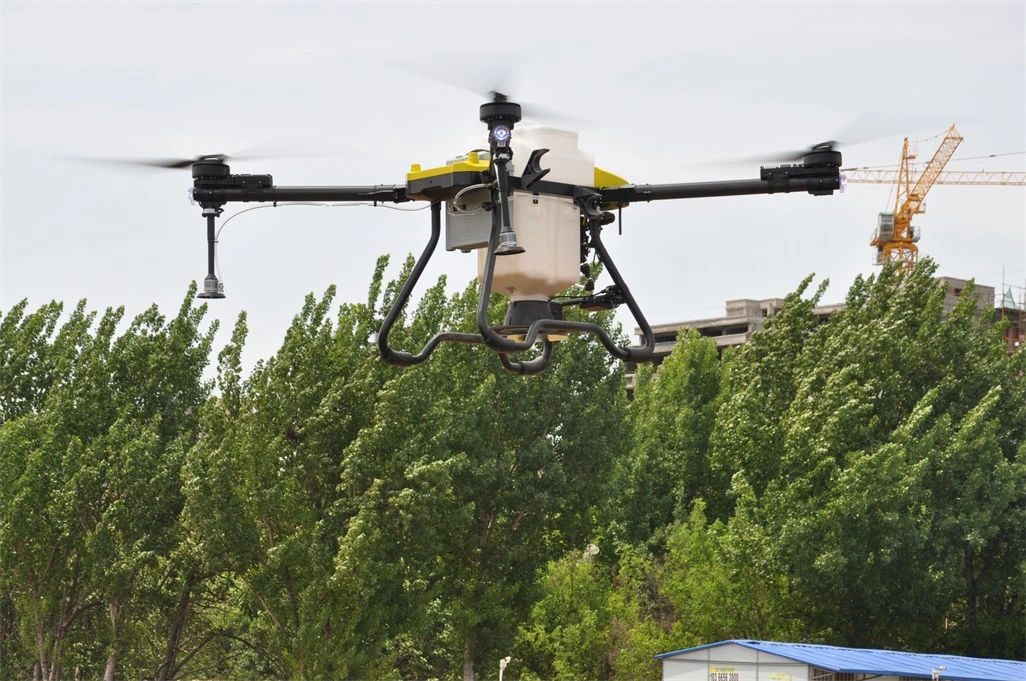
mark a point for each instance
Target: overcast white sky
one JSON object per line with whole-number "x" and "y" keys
{"x": 667, "y": 85}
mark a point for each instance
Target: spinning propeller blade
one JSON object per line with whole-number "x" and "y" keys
{"x": 274, "y": 149}
{"x": 862, "y": 129}
{"x": 170, "y": 163}
{"x": 491, "y": 76}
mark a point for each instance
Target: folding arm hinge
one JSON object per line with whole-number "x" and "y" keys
{"x": 533, "y": 171}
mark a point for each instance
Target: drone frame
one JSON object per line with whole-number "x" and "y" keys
{"x": 214, "y": 185}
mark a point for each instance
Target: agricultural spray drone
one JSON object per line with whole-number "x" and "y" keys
{"x": 533, "y": 206}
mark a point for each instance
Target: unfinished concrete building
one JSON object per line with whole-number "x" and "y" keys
{"x": 746, "y": 316}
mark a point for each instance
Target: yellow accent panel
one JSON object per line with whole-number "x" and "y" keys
{"x": 473, "y": 164}
{"x": 604, "y": 178}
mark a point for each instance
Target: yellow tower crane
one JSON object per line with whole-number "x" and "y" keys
{"x": 895, "y": 236}
{"x": 898, "y": 241}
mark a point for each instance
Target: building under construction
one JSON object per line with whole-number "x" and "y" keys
{"x": 745, "y": 317}
{"x": 1013, "y": 308}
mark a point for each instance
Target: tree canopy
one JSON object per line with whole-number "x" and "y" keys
{"x": 165, "y": 514}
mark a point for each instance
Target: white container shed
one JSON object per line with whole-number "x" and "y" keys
{"x": 744, "y": 660}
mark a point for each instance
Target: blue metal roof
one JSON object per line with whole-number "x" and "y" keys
{"x": 884, "y": 662}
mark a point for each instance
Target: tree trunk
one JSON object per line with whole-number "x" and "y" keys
{"x": 468, "y": 663}
{"x": 971, "y": 596}
{"x": 167, "y": 668}
{"x": 40, "y": 664}
{"x": 108, "y": 672}
{"x": 112, "y": 660}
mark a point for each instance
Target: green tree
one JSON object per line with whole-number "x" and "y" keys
{"x": 262, "y": 487}
{"x": 468, "y": 481}
{"x": 97, "y": 424}
{"x": 671, "y": 419}
{"x": 881, "y": 456}
{"x": 568, "y": 633}
{"x": 761, "y": 384}
{"x": 303, "y": 408}
{"x": 875, "y": 464}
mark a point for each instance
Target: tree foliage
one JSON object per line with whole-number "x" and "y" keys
{"x": 865, "y": 475}
{"x": 672, "y": 418}
{"x": 855, "y": 480}
{"x": 96, "y": 427}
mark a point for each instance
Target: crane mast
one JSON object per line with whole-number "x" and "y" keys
{"x": 895, "y": 237}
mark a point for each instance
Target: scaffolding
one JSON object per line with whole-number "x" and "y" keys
{"x": 1010, "y": 304}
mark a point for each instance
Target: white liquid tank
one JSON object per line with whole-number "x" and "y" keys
{"x": 547, "y": 227}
